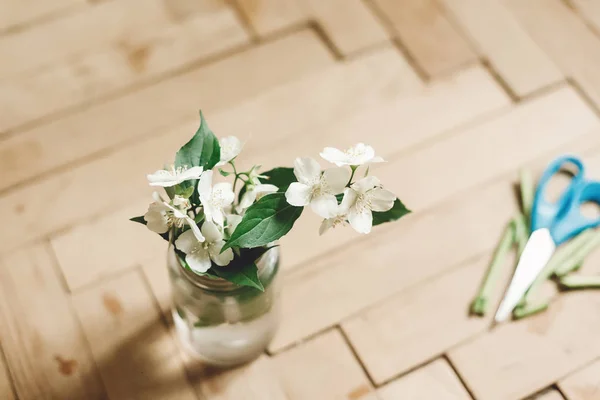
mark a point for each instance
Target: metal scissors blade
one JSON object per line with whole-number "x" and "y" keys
{"x": 535, "y": 256}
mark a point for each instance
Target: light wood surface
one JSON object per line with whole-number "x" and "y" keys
{"x": 6, "y": 389}
{"x": 583, "y": 384}
{"x": 550, "y": 394}
{"x": 42, "y": 341}
{"x": 432, "y": 381}
{"x": 456, "y": 95}
{"x": 125, "y": 334}
{"x": 505, "y": 44}
{"x": 427, "y": 34}
{"x": 129, "y": 60}
{"x": 330, "y": 367}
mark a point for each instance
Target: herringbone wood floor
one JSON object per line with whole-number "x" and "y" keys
{"x": 457, "y": 95}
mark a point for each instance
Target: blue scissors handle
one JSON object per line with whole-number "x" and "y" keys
{"x": 564, "y": 219}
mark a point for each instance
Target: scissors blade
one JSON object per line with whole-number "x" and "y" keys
{"x": 537, "y": 253}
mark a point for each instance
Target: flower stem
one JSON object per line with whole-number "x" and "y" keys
{"x": 577, "y": 267}
{"x": 528, "y": 310}
{"x": 587, "y": 241}
{"x": 521, "y": 232}
{"x": 353, "y": 168}
{"x": 527, "y": 192}
{"x": 479, "y": 305}
{"x": 580, "y": 282}
{"x": 236, "y": 175}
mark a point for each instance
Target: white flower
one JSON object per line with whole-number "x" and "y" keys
{"x": 254, "y": 193}
{"x": 255, "y": 190}
{"x": 339, "y": 219}
{"x": 173, "y": 176}
{"x": 254, "y": 176}
{"x": 358, "y": 154}
{"x": 214, "y": 198}
{"x": 198, "y": 254}
{"x": 317, "y": 189}
{"x": 156, "y": 217}
{"x": 363, "y": 197}
{"x": 161, "y": 216}
{"x": 230, "y": 148}
{"x": 233, "y": 220}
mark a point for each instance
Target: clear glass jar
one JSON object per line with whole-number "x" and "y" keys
{"x": 219, "y": 322}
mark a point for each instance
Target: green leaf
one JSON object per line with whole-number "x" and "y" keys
{"x": 170, "y": 191}
{"x": 139, "y": 220}
{"x": 202, "y": 150}
{"x": 249, "y": 255}
{"x": 265, "y": 221}
{"x": 223, "y": 172}
{"x": 182, "y": 191}
{"x": 180, "y": 312}
{"x": 281, "y": 177}
{"x": 395, "y": 213}
{"x": 243, "y": 275}
{"x": 242, "y": 191}
{"x": 241, "y": 270}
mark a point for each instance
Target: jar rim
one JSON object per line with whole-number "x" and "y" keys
{"x": 210, "y": 283}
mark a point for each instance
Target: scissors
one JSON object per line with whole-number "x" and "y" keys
{"x": 551, "y": 224}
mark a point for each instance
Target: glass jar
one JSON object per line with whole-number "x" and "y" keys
{"x": 221, "y": 323}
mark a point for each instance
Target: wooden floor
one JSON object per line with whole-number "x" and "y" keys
{"x": 458, "y": 95}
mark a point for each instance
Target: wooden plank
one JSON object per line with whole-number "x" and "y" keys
{"x": 548, "y": 395}
{"x": 256, "y": 380}
{"x": 500, "y": 144}
{"x": 588, "y": 10}
{"x": 42, "y": 342}
{"x": 129, "y": 62}
{"x": 343, "y": 300}
{"x": 322, "y": 368}
{"x": 6, "y": 389}
{"x": 436, "y": 380}
{"x": 181, "y": 10}
{"x": 556, "y": 28}
{"x": 269, "y": 16}
{"x": 313, "y": 104}
{"x": 420, "y": 323}
{"x": 394, "y": 107}
{"x": 135, "y": 353}
{"x": 525, "y": 356}
{"x": 100, "y": 25}
{"x": 130, "y": 244}
{"x": 349, "y": 24}
{"x": 157, "y": 276}
{"x": 583, "y": 384}
{"x": 510, "y": 50}
{"x": 159, "y": 107}
{"x": 16, "y": 12}
{"x": 426, "y": 33}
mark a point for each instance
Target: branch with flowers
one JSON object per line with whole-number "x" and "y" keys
{"x": 222, "y": 229}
